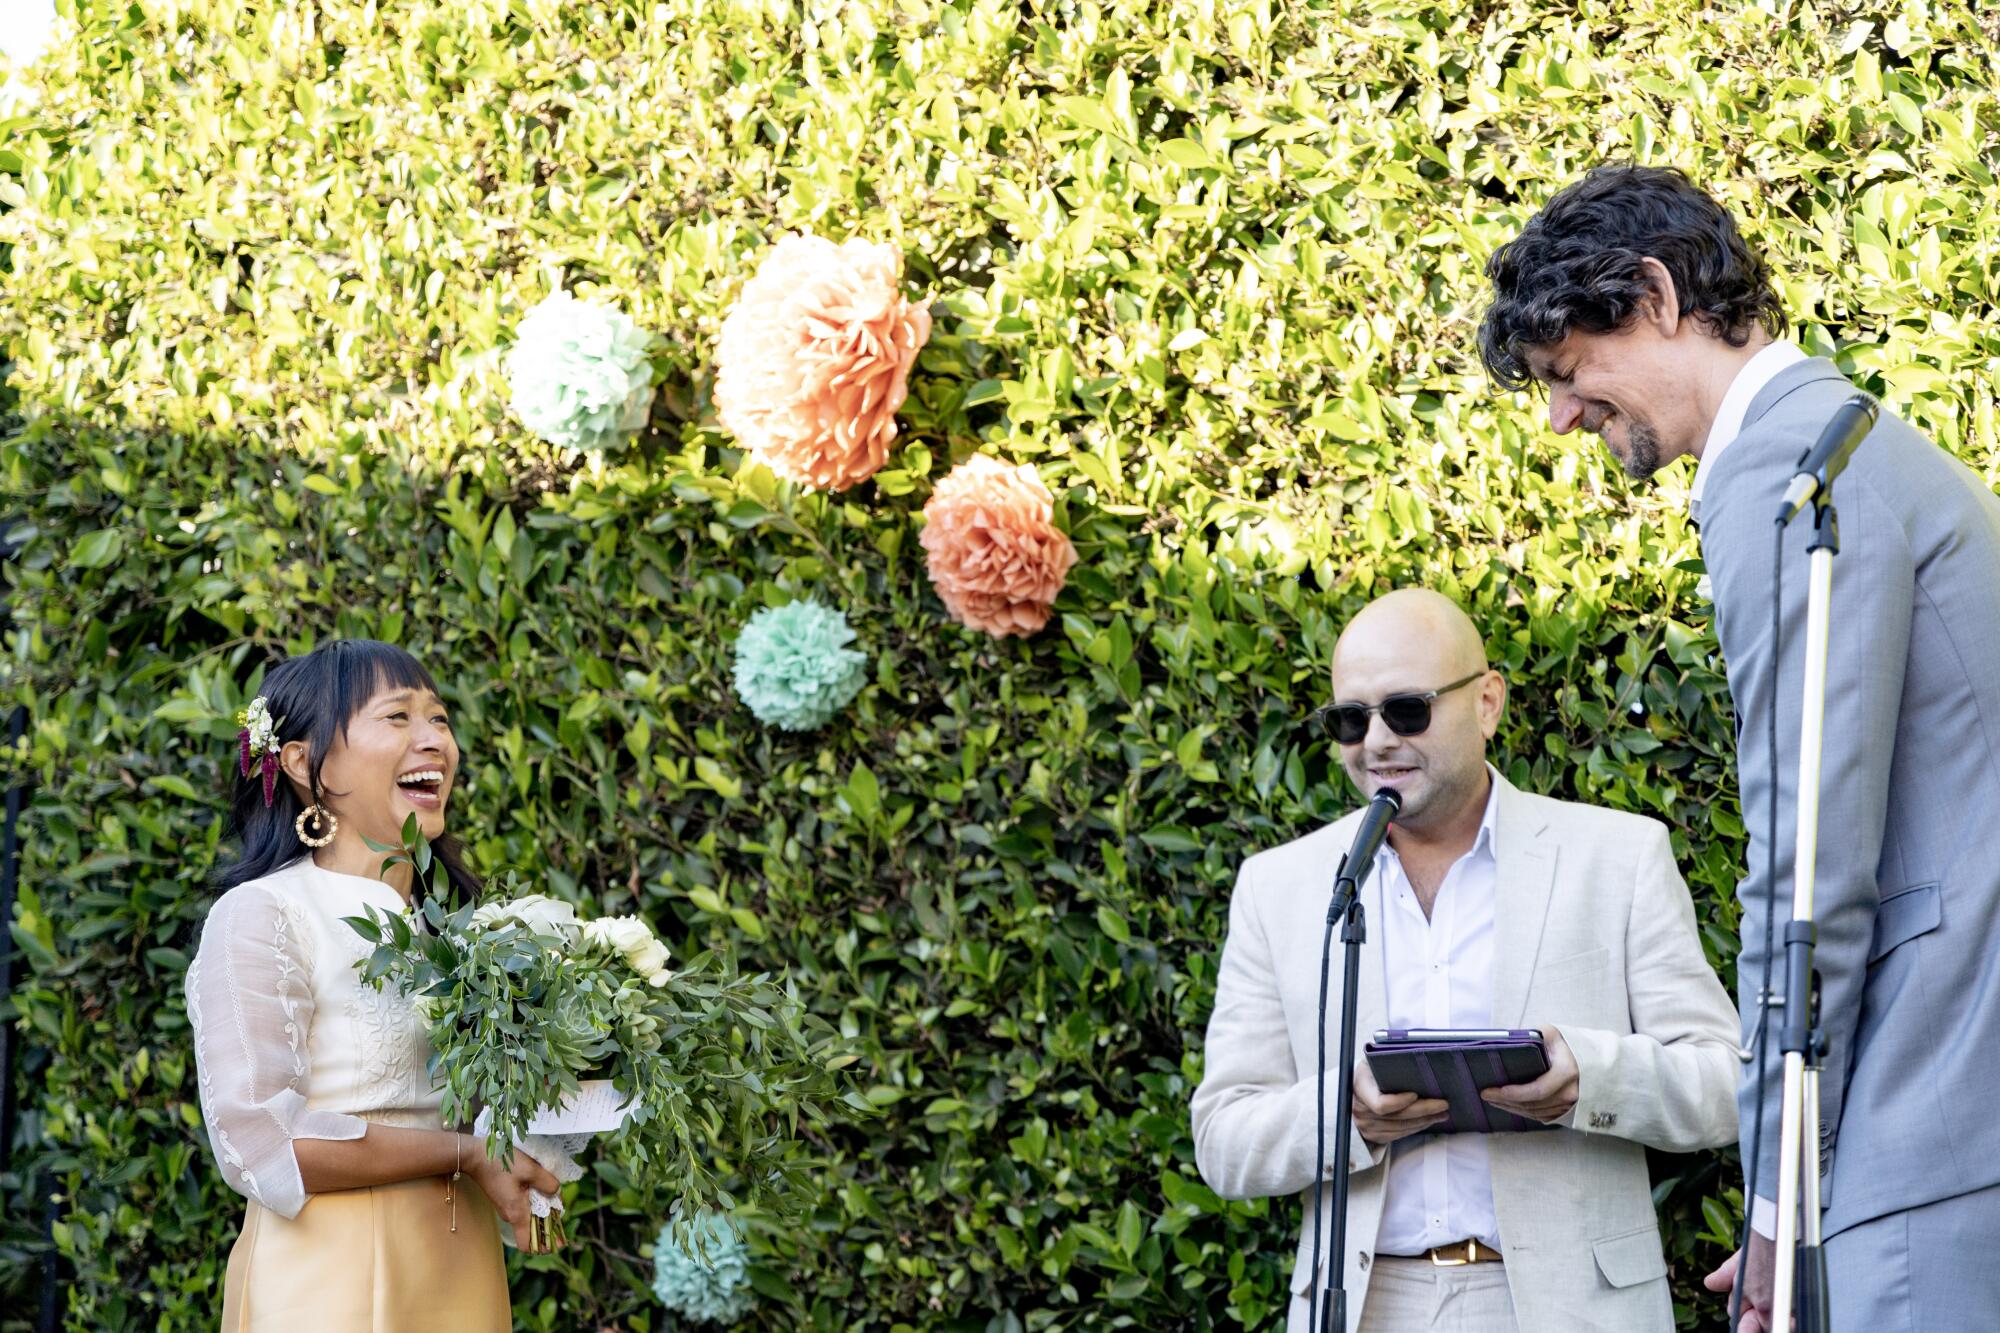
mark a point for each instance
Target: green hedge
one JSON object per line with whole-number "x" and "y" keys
{"x": 1213, "y": 268}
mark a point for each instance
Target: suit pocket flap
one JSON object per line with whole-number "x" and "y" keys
{"x": 1632, "y": 1258}
{"x": 1903, "y": 917}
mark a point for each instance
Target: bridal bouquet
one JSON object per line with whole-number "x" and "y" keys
{"x": 548, "y": 1027}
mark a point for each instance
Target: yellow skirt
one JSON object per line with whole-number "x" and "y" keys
{"x": 376, "y": 1260}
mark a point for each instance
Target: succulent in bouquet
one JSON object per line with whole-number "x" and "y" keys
{"x": 548, "y": 1027}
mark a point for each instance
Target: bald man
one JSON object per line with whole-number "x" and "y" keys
{"x": 1488, "y": 908}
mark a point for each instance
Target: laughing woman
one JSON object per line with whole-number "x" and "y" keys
{"x": 313, "y": 1086}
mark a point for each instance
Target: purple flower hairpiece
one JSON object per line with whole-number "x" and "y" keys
{"x": 257, "y": 745}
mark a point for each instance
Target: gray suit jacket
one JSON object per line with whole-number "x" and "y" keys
{"x": 1908, "y": 882}
{"x": 1594, "y": 935}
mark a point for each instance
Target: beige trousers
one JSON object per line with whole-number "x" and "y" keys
{"x": 1416, "y": 1296}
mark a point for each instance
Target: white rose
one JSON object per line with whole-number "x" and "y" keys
{"x": 538, "y": 912}
{"x": 650, "y": 961}
{"x": 617, "y": 934}
{"x": 633, "y": 940}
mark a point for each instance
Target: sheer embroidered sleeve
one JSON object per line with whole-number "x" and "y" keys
{"x": 250, "y": 1002}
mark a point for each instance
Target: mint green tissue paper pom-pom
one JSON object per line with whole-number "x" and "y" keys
{"x": 714, "y": 1285}
{"x": 793, "y": 667}
{"x": 578, "y": 374}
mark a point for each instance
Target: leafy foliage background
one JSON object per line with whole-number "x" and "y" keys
{"x": 1213, "y": 268}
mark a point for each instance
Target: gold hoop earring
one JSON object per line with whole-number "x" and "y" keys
{"x": 321, "y": 817}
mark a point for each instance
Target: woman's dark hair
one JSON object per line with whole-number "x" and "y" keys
{"x": 312, "y": 699}
{"x": 1576, "y": 267}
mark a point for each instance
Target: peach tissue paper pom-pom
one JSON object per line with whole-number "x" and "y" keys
{"x": 996, "y": 557}
{"x": 815, "y": 359}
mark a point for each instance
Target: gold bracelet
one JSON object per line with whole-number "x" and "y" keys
{"x": 451, "y": 1186}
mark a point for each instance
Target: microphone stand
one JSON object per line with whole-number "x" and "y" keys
{"x": 1800, "y": 1256}
{"x": 1327, "y": 1304}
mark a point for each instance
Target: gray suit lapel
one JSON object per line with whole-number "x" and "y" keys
{"x": 1523, "y": 885}
{"x": 1788, "y": 381}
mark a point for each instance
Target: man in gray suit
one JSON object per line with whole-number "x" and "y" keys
{"x": 1633, "y": 299}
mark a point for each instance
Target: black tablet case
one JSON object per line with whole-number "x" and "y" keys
{"x": 1456, "y": 1071}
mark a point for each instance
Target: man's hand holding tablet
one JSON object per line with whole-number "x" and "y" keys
{"x": 1383, "y": 1117}
{"x": 1548, "y": 1098}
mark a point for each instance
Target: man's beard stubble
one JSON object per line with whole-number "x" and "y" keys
{"x": 1642, "y": 451}
{"x": 1451, "y": 787}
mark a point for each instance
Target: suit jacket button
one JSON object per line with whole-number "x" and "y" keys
{"x": 1364, "y": 1261}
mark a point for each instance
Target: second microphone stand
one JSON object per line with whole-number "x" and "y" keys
{"x": 1801, "y": 1261}
{"x": 1329, "y": 1311}
{"x": 1800, "y": 1268}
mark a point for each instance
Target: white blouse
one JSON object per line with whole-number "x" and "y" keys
{"x": 288, "y": 1042}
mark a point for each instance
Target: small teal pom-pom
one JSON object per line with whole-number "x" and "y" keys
{"x": 793, "y": 667}
{"x": 714, "y": 1286}
{"x": 578, "y": 374}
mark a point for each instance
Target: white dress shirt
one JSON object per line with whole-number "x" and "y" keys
{"x": 1438, "y": 972}
{"x": 1757, "y": 372}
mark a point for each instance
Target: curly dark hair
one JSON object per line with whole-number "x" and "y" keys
{"x": 1576, "y": 267}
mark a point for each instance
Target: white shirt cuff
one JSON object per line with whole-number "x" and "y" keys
{"x": 1764, "y": 1217}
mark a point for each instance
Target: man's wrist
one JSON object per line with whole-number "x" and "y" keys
{"x": 1590, "y": 1051}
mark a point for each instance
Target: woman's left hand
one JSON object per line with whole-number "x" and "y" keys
{"x": 508, "y": 1186}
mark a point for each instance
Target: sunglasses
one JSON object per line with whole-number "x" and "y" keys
{"x": 1405, "y": 714}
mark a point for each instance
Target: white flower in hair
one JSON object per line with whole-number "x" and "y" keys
{"x": 257, "y": 744}
{"x": 256, "y": 720}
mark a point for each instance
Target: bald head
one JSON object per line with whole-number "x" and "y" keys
{"x": 1415, "y": 641}
{"x": 1419, "y": 627}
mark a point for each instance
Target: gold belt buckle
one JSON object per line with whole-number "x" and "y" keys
{"x": 1437, "y": 1261}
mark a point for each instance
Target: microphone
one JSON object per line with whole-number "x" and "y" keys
{"x": 1367, "y": 841}
{"x": 1824, "y": 461}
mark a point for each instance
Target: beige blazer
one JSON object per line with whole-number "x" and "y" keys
{"x": 1595, "y": 935}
